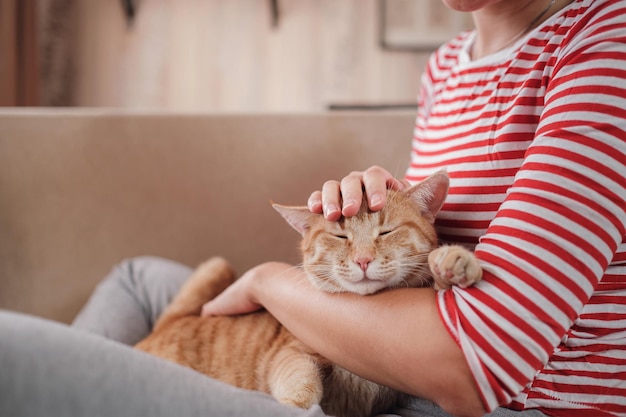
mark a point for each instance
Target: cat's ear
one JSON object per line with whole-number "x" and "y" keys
{"x": 300, "y": 218}
{"x": 431, "y": 193}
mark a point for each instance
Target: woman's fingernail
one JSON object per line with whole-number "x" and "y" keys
{"x": 376, "y": 200}
{"x": 315, "y": 207}
{"x": 330, "y": 209}
{"x": 348, "y": 203}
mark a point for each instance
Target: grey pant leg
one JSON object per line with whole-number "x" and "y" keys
{"x": 418, "y": 407}
{"x": 50, "y": 369}
{"x": 126, "y": 304}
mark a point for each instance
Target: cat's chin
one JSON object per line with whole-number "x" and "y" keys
{"x": 365, "y": 286}
{"x": 369, "y": 286}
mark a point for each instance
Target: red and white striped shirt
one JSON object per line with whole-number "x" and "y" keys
{"x": 534, "y": 140}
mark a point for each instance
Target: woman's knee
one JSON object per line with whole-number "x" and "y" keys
{"x": 149, "y": 271}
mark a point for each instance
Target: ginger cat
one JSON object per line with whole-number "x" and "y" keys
{"x": 363, "y": 254}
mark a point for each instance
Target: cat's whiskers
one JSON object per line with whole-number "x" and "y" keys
{"x": 408, "y": 270}
{"x": 323, "y": 277}
{"x": 416, "y": 271}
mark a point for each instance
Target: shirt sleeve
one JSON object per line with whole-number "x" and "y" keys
{"x": 559, "y": 226}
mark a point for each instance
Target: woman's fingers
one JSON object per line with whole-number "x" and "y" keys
{"x": 376, "y": 182}
{"x": 351, "y": 193}
{"x": 337, "y": 199}
{"x": 331, "y": 200}
{"x": 314, "y": 202}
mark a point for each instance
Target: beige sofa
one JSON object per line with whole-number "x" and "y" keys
{"x": 81, "y": 190}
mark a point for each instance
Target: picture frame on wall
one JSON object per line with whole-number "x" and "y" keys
{"x": 419, "y": 25}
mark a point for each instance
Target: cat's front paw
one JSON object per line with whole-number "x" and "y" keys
{"x": 454, "y": 265}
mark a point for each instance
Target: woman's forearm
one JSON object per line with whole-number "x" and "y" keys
{"x": 395, "y": 338}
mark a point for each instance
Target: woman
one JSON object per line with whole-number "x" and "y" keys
{"x": 526, "y": 113}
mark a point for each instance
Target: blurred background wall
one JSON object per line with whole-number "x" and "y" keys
{"x": 218, "y": 55}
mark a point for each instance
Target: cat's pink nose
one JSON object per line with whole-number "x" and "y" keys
{"x": 363, "y": 263}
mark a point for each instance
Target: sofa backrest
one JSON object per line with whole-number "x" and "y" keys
{"x": 82, "y": 190}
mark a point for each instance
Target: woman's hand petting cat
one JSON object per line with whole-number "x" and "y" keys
{"x": 241, "y": 296}
{"x": 343, "y": 198}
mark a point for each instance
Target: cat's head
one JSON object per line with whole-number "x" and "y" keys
{"x": 372, "y": 250}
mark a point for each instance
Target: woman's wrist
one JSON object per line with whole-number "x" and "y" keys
{"x": 250, "y": 292}
{"x": 267, "y": 280}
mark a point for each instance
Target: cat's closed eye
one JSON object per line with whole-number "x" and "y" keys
{"x": 340, "y": 236}
{"x": 385, "y": 232}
